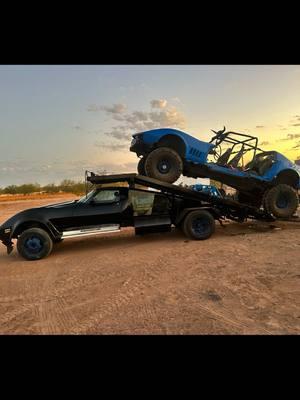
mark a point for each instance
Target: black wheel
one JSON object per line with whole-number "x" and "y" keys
{"x": 164, "y": 164}
{"x": 141, "y": 166}
{"x": 282, "y": 201}
{"x": 199, "y": 225}
{"x": 34, "y": 244}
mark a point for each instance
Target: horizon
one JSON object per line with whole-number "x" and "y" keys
{"x": 58, "y": 121}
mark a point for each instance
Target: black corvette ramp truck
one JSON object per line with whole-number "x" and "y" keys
{"x": 144, "y": 203}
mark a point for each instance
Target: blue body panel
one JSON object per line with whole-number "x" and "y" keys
{"x": 197, "y": 152}
{"x": 212, "y": 190}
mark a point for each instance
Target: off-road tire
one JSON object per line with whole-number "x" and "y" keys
{"x": 160, "y": 157}
{"x": 141, "y": 166}
{"x": 199, "y": 225}
{"x": 34, "y": 244}
{"x": 281, "y": 200}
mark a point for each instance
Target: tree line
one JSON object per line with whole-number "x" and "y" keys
{"x": 67, "y": 186}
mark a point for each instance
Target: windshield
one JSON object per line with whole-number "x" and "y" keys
{"x": 87, "y": 197}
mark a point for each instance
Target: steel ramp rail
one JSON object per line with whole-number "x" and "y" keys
{"x": 225, "y": 205}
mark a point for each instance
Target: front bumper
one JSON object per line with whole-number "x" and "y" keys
{"x": 139, "y": 147}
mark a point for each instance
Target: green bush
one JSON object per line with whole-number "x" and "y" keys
{"x": 12, "y": 189}
{"x": 50, "y": 188}
{"x": 67, "y": 186}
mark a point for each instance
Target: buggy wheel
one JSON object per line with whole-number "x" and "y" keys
{"x": 141, "y": 166}
{"x": 164, "y": 164}
{"x": 199, "y": 225}
{"x": 34, "y": 244}
{"x": 282, "y": 201}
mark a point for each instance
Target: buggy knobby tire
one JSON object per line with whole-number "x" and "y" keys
{"x": 164, "y": 164}
{"x": 34, "y": 244}
{"x": 141, "y": 166}
{"x": 281, "y": 200}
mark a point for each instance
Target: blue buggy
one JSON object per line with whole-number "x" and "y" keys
{"x": 262, "y": 178}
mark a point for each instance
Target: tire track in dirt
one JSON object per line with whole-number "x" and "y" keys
{"x": 47, "y": 294}
{"x": 73, "y": 296}
{"x": 221, "y": 316}
{"x": 123, "y": 297}
{"x": 52, "y": 309}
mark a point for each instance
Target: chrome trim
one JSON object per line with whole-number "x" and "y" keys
{"x": 91, "y": 231}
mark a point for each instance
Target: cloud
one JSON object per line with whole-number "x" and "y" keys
{"x": 264, "y": 143}
{"x": 114, "y": 109}
{"x": 295, "y": 120}
{"x": 176, "y": 99}
{"x": 93, "y": 108}
{"x": 260, "y": 126}
{"x": 162, "y": 103}
{"x": 25, "y": 171}
{"x": 112, "y": 146}
{"x": 119, "y": 132}
{"x": 139, "y": 121}
{"x": 297, "y": 146}
{"x": 290, "y": 136}
{"x": 77, "y": 127}
{"x": 293, "y": 136}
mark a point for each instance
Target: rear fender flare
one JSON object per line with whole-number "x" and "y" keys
{"x": 186, "y": 211}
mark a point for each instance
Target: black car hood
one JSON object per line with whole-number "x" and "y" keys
{"x": 38, "y": 212}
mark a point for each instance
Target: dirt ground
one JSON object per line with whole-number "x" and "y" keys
{"x": 244, "y": 280}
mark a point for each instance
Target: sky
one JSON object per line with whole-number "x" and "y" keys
{"x": 58, "y": 121}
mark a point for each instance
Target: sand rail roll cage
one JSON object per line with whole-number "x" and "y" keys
{"x": 245, "y": 143}
{"x": 223, "y": 207}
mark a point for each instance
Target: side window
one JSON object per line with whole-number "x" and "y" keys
{"x": 142, "y": 202}
{"x": 106, "y": 196}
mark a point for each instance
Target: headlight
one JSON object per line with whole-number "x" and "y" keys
{"x": 133, "y": 142}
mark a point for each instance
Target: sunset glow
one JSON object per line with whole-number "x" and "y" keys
{"x": 57, "y": 121}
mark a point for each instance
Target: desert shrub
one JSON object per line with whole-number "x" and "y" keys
{"x": 51, "y": 188}
{"x": 70, "y": 186}
{"x": 67, "y": 186}
{"x": 11, "y": 189}
{"x": 28, "y": 188}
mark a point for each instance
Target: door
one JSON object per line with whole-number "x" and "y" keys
{"x": 104, "y": 207}
{"x": 150, "y": 208}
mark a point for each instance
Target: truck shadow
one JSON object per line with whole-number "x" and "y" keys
{"x": 127, "y": 238}
{"x": 119, "y": 241}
